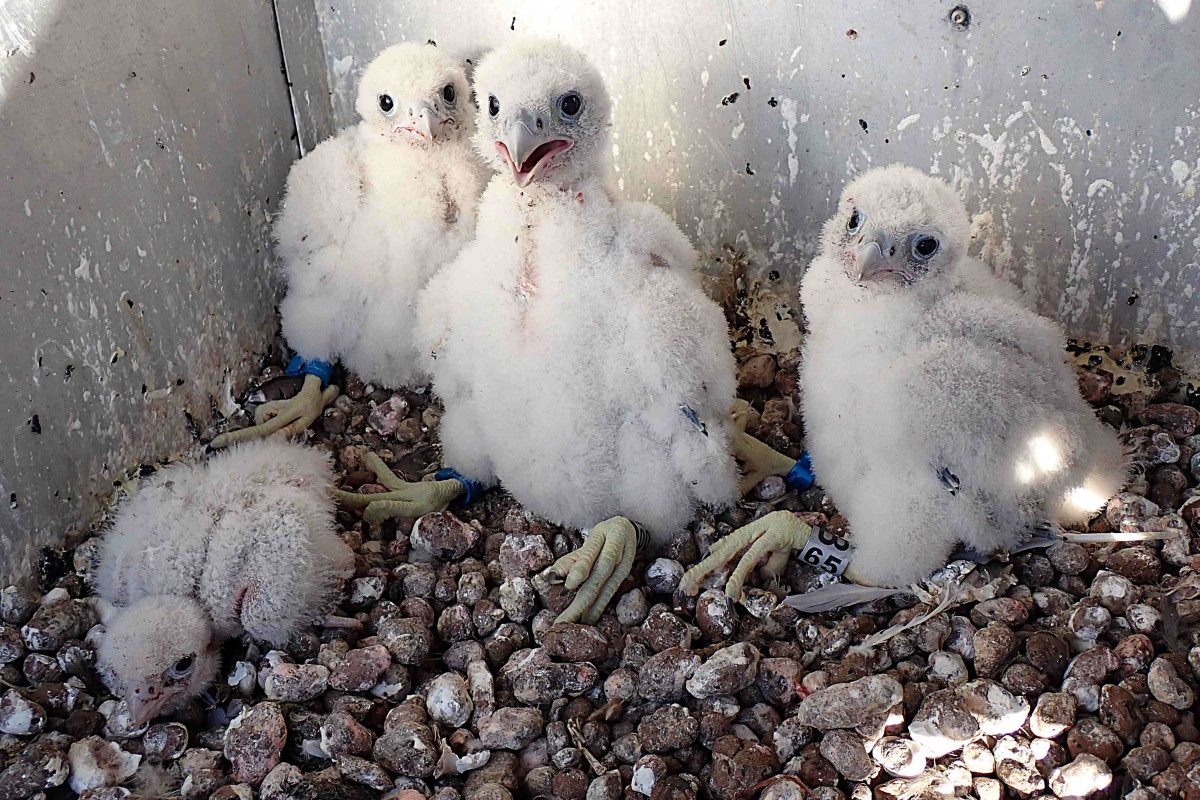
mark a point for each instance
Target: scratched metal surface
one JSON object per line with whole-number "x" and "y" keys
{"x": 1071, "y": 127}
{"x": 143, "y": 144}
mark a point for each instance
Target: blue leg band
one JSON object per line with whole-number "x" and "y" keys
{"x": 322, "y": 369}
{"x": 800, "y": 477}
{"x": 474, "y": 488}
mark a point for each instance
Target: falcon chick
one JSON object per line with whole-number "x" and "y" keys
{"x": 579, "y": 360}
{"x": 937, "y": 412}
{"x": 243, "y": 544}
{"x": 367, "y": 218}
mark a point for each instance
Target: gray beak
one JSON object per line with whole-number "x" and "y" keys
{"x": 873, "y": 256}
{"x": 526, "y": 147}
{"x": 423, "y": 120}
{"x": 521, "y": 140}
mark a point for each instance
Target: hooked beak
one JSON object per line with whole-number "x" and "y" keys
{"x": 873, "y": 256}
{"x": 526, "y": 150}
{"x": 422, "y": 121}
{"x": 146, "y": 700}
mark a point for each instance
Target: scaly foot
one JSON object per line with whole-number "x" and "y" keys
{"x": 604, "y": 560}
{"x": 284, "y": 417}
{"x": 777, "y": 534}
{"x": 404, "y": 499}
{"x": 759, "y": 460}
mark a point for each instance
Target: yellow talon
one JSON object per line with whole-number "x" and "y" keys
{"x": 777, "y": 533}
{"x": 403, "y": 499}
{"x": 605, "y": 559}
{"x": 283, "y": 417}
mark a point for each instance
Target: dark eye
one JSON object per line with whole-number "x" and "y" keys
{"x": 182, "y": 666}
{"x": 385, "y": 103}
{"x": 493, "y": 105}
{"x": 448, "y": 93}
{"x": 924, "y": 247}
{"x": 569, "y": 105}
{"x": 855, "y": 221}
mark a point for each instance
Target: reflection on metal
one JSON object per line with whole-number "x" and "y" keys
{"x": 144, "y": 145}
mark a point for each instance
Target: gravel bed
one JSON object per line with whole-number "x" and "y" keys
{"x": 1078, "y": 678}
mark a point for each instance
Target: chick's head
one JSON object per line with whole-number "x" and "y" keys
{"x": 416, "y": 94}
{"x": 159, "y": 652}
{"x": 896, "y": 227}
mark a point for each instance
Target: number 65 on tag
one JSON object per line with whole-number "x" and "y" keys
{"x": 826, "y": 552}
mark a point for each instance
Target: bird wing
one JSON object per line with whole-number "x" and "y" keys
{"x": 677, "y": 347}
{"x": 449, "y": 305}
{"x": 324, "y": 192}
{"x": 996, "y": 406}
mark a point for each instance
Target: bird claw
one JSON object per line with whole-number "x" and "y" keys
{"x": 597, "y": 568}
{"x": 776, "y": 534}
{"x": 404, "y": 499}
{"x": 283, "y": 417}
{"x": 758, "y": 458}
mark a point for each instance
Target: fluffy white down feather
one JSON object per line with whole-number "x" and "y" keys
{"x": 370, "y": 215}
{"x": 902, "y": 380}
{"x": 249, "y": 534}
{"x": 567, "y": 337}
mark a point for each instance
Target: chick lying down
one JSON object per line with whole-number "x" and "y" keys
{"x": 242, "y": 545}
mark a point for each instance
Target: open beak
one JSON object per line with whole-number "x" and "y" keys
{"x": 875, "y": 257}
{"x": 146, "y": 700}
{"x": 528, "y": 151}
{"x": 422, "y": 121}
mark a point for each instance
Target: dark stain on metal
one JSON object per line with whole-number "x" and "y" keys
{"x": 748, "y": 170}
{"x": 746, "y": 82}
{"x": 12, "y": 500}
{"x": 68, "y": 372}
{"x": 722, "y": 43}
{"x": 53, "y": 563}
{"x": 513, "y": 25}
{"x": 852, "y": 34}
{"x": 1160, "y": 358}
{"x": 431, "y": 41}
{"x": 31, "y": 77}
{"x": 772, "y": 102}
{"x": 960, "y": 18}
{"x": 729, "y": 99}
{"x": 35, "y": 424}
{"x": 862, "y": 123}
{"x": 1133, "y": 298}
{"x": 192, "y": 428}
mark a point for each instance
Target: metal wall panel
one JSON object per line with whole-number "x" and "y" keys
{"x": 1071, "y": 127}
{"x": 143, "y": 148}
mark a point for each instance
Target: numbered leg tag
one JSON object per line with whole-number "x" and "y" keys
{"x": 826, "y": 552}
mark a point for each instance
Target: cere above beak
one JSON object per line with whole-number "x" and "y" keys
{"x": 527, "y": 152}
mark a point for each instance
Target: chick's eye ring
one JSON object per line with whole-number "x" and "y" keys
{"x": 570, "y": 105}
{"x": 856, "y": 220}
{"x": 386, "y": 104}
{"x": 493, "y": 105}
{"x": 448, "y": 93}
{"x": 923, "y": 247}
{"x": 182, "y": 666}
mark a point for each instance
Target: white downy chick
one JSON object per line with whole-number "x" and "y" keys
{"x": 578, "y": 358}
{"x": 937, "y": 412}
{"x": 372, "y": 213}
{"x": 243, "y": 544}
